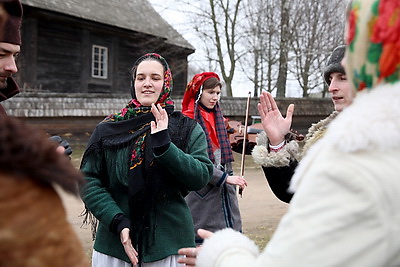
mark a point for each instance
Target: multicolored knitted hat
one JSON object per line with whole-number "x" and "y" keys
{"x": 334, "y": 63}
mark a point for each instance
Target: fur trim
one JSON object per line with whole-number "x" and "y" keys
{"x": 317, "y": 130}
{"x": 262, "y": 156}
{"x": 223, "y": 243}
{"x": 262, "y": 139}
{"x": 371, "y": 123}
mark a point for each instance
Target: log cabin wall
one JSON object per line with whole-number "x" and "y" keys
{"x": 76, "y": 115}
{"x": 57, "y": 54}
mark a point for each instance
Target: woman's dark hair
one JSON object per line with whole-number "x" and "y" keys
{"x": 211, "y": 83}
{"x": 146, "y": 57}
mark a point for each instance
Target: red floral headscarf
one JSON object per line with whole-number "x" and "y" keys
{"x": 134, "y": 109}
{"x": 373, "y": 43}
{"x": 193, "y": 87}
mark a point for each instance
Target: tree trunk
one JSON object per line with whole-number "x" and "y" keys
{"x": 283, "y": 47}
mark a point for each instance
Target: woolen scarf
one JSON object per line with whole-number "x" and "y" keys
{"x": 148, "y": 186}
{"x": 135, "y": 109}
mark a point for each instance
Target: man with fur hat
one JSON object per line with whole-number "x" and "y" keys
{"x": 10, "y": 45}
{"x": 10, "y": 42}
{"x": 276, "y": 150}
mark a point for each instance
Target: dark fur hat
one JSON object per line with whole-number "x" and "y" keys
{"x": 10, "y": 21}
{"x": 334, "y": 63}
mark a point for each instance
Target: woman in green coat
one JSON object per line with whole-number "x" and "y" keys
{"x": 139, "y": 165}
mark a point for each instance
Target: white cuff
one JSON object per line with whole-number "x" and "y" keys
{"x": 227, "y": 248}
{"x": 280, "y": 145}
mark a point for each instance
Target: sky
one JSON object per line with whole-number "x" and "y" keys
{"x": 180, "y": 21}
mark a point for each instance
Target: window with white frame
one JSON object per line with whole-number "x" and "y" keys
{"x": 99, "y": 61}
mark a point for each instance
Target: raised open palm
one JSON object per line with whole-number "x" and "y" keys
{"x": 274, "y": 124}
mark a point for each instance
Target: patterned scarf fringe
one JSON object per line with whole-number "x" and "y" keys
{"x": 89, "y": 219}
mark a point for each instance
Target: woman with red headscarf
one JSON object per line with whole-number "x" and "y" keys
{"x": 215, "y": 206}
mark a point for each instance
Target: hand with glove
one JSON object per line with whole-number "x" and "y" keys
{"x": 62, "y": 144}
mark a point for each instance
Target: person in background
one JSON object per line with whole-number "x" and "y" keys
{"x": 139, "y": 165}
{"x": 215, "y": 206}
{"x": 34, "y": 230}
{"x": 277, "y": 151}
{"x": 10, "y": 46}
{"x": 346, "y": 209}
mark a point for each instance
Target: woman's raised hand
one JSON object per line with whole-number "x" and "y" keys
{"x": 275, "y": 126}
{"x": 161, "y": 117}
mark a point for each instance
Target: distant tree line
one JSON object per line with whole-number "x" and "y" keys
{"x": 269, "y": 41}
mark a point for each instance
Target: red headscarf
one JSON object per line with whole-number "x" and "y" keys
{"x": 192, "y": 88}
{"x": 214, "y": 126}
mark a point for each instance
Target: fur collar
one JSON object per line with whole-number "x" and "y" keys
{"x": 282, "y": 158}
{"x": 317, "y": 130}
{"x": 370, "y": 123}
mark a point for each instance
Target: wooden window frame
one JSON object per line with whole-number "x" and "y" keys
{"x": 99, "y": 62}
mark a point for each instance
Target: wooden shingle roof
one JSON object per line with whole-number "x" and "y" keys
{"x": 135, "y": 15}
{"x": 234, "y": 106}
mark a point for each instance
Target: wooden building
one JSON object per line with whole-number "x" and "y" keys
{"x": 90, "y": 46}
{"x": 75, "y": 62}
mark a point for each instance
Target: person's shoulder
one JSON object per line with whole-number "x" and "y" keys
{"x": 181, "y": 122}
{"x": 189, "y": 113}
{"x": 359, "y": 126}
{"x": 181, "y": 116}
{"x": 177, "y": 114}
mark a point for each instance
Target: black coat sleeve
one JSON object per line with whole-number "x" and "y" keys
{"x": 279, "y": 180}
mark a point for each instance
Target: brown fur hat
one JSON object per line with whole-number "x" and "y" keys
{"x": 10, "y": 21}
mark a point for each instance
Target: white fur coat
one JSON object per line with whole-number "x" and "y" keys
{"x": 346, "y": 210}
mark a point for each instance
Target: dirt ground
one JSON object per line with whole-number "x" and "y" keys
{"x": 260, "y": 210}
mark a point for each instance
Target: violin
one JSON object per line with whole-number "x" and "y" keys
{"x": 235, "y": 130}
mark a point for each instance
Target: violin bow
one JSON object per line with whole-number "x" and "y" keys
{"x": 244, "y": 140}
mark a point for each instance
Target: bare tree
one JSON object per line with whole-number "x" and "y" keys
{"x": 216, "y": 25}
{"x": 225, "y": 33}
{"x": 314, "y": 35}
{"x": 262, "y": 43}
{"x": 272, "y": 40}
{"x": 283, "y": 48}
